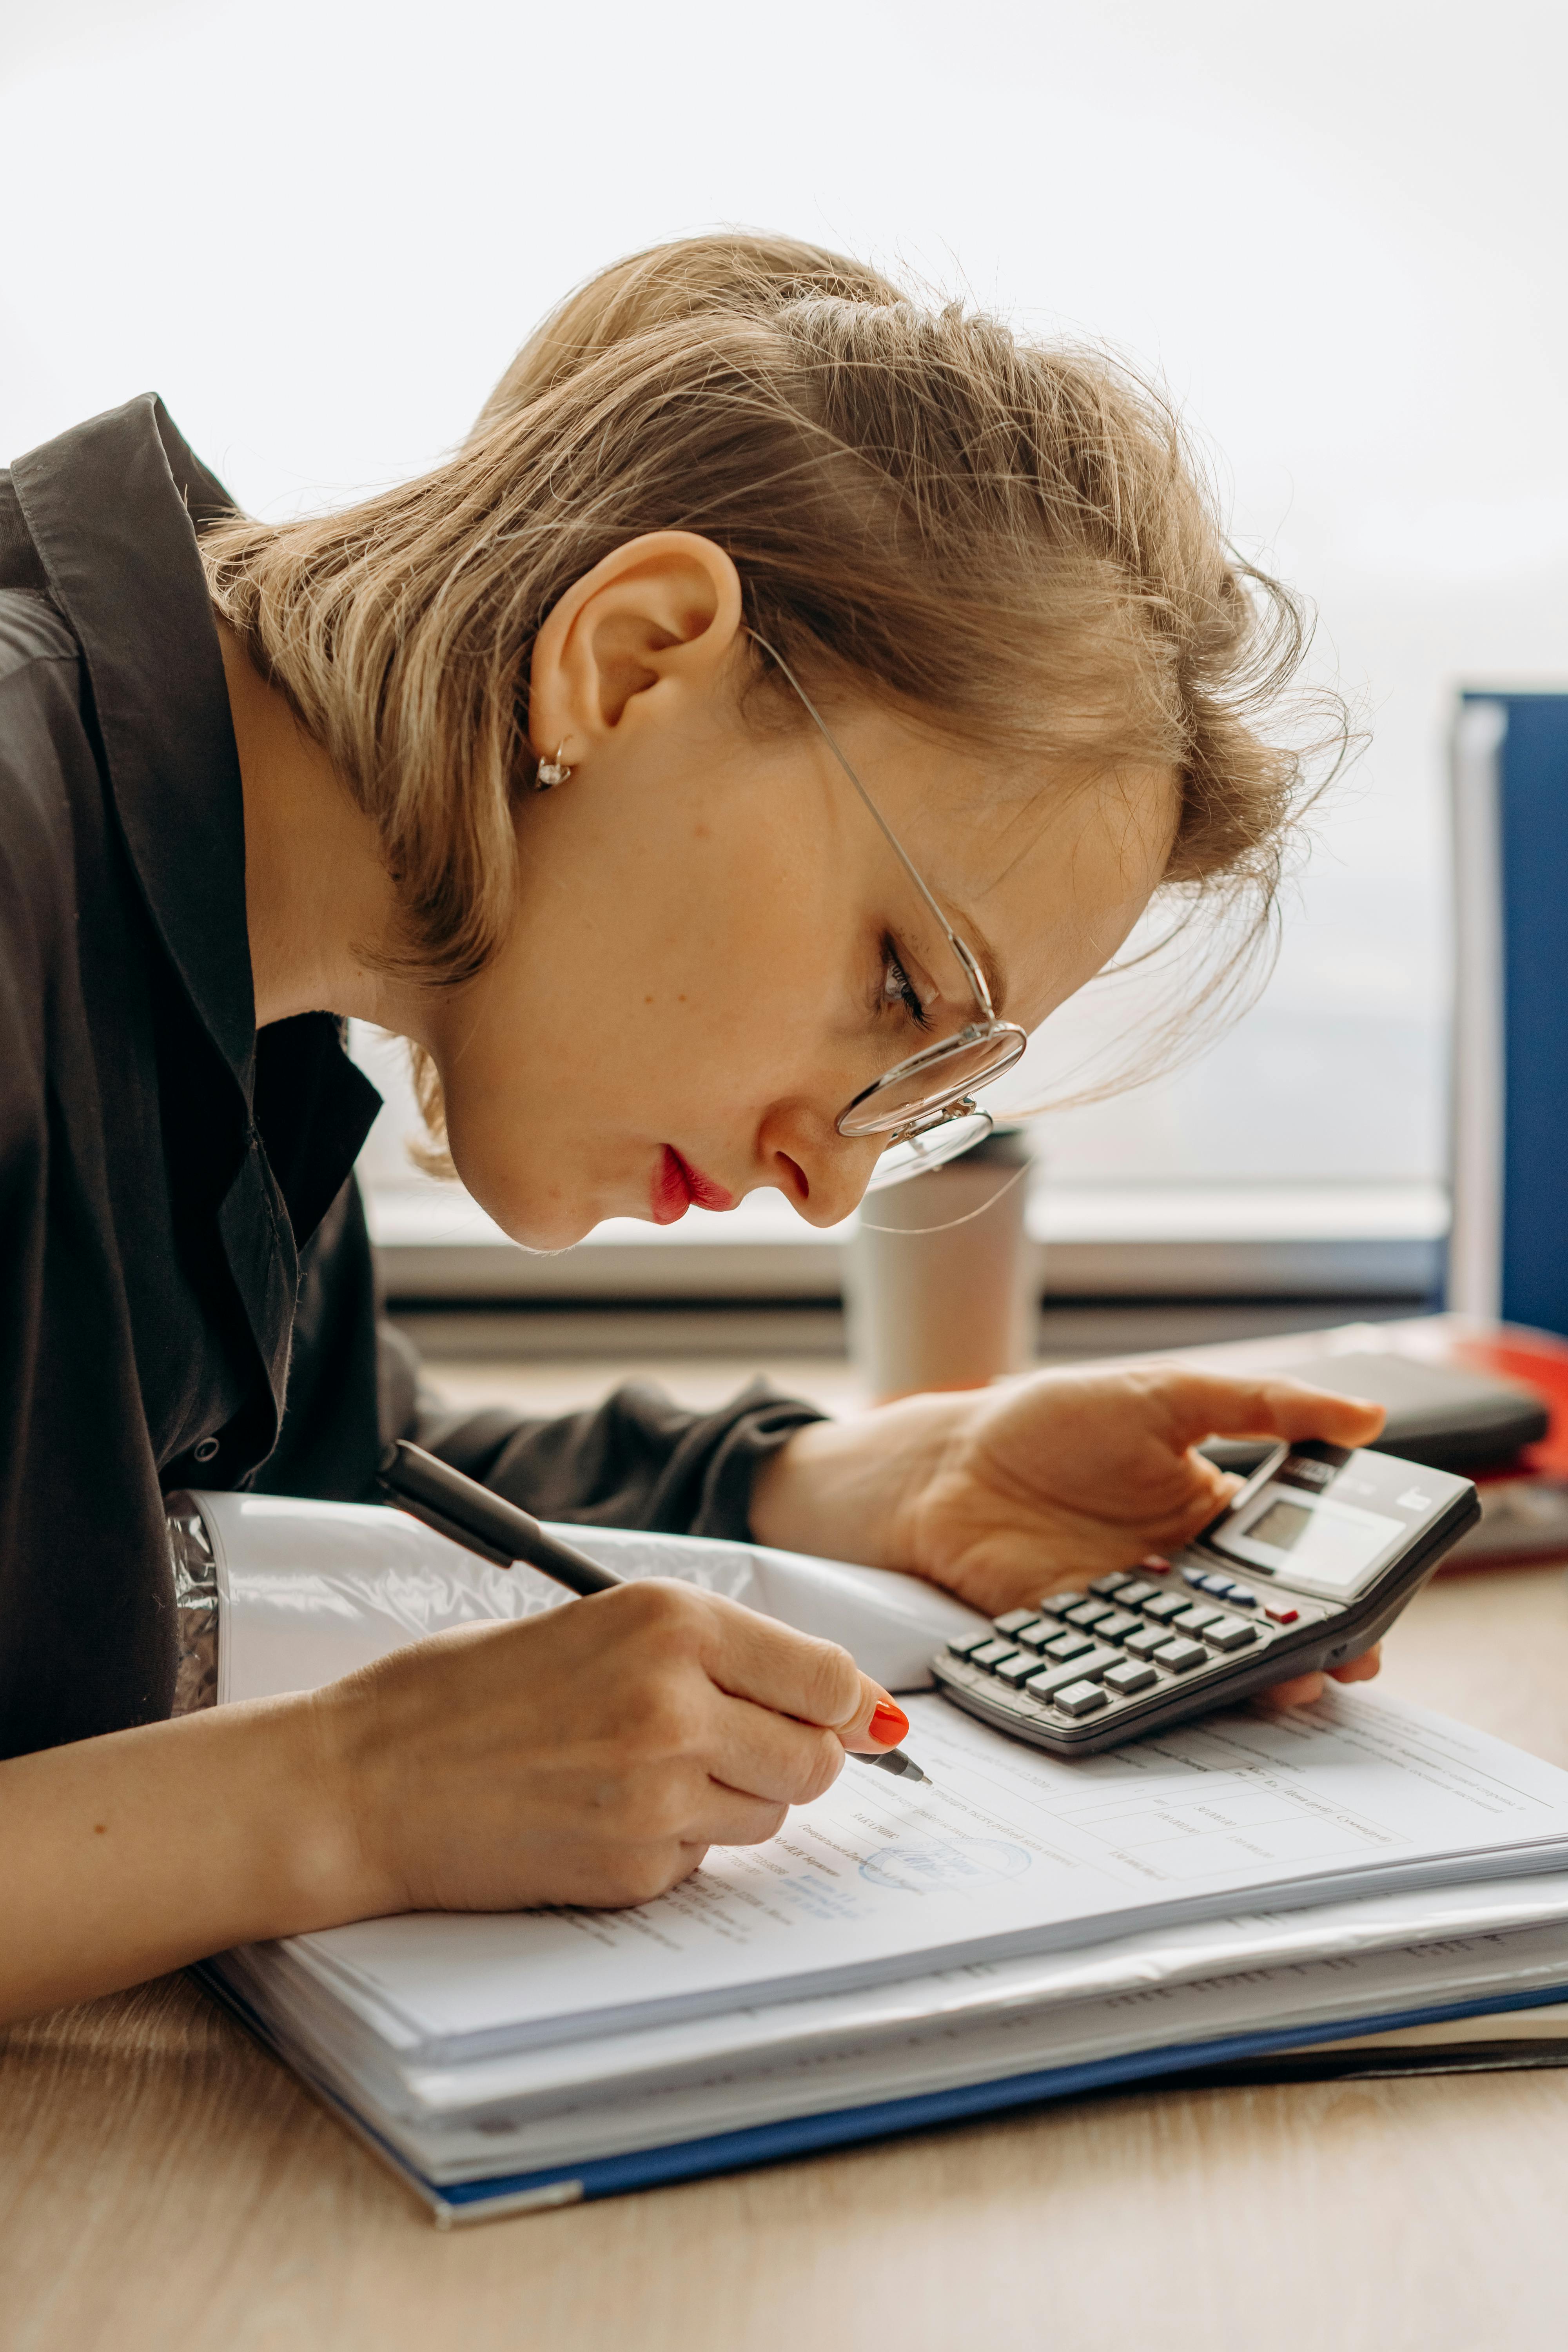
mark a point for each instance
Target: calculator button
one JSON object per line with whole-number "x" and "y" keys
{"x": 1165, "y": 1606}
{"x": 1069, "y": 1645}
{"x": 1082, "y": 1698}
{"x": 1089, "y": 1612}
{"x": 1199, "y": 1578}
{"x": 1058, "y": 1603}
{"x": 1280, "y": 1613}
{"x": 1146, "y": 1643}
{"x": 1113, "y": 1582}
{"x": 1018, "y": 1668}
{"x": 1134, "y": 1596}
{"x": 991, "y": 1654}
{"x": 1037, "y": 1633}
{"x": 1131, "y": 1676}
{"x": 1193, "y": 1621}
{"x": 964, "y": 1646}
{"x": 1154, "y": 1563}
{"x": 1240, "y": 1597}
{"x": 1230, "y": 1634}
{"x": 1082, "y": 1670}
{"x": 1182, "y": 1656}
{"x": 1112, "y": 1628}
{"x": 1016, "y": 1619}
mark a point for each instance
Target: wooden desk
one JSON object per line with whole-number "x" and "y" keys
{"x": 164, "y": 2187}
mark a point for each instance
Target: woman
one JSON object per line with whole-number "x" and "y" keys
{"x": 782, "y": 681}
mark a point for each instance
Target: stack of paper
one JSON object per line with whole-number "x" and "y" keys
{"x": 1020, "y": 1928}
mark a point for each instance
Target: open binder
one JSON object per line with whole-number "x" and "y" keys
{"x": 1024, "y": 1929}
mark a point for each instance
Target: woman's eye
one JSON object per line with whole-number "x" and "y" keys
{"x": 897, "y": 988}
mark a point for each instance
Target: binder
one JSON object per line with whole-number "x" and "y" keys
{"x": 457, "y": 2203}
{"x": 1508, "y": 1256}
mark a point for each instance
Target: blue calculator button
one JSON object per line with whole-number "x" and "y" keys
{"x": 1240, "y": 1597}
{"x": 1198, "y": 1576}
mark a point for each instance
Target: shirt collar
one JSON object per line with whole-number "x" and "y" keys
{"x": 111, "y": 507}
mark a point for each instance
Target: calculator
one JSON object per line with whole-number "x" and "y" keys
{"x": 1309, "y": 1563}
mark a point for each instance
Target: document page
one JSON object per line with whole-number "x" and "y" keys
{"x": 955, "y": 2001}
{"x": 1278, "y": 2005}
{"x": 1009, "y": 1852}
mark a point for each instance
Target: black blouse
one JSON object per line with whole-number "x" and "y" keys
{"x": 186, "y": 1290}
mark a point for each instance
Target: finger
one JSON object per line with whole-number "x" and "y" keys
{"x": 731, "y": 1817}
{"x": 754, "y": 1657}
{"x": 768, "y": 1756}
{"x": 1301, "y": 1690}
{"x": 1361, "y": 1669}
{"x": 1208, "y": 1404}
{"x": 880, "y": 1722}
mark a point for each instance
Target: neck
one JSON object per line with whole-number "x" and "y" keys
{"x": 317, "y": 898}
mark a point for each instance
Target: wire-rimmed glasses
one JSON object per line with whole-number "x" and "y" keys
{"x": 925, "y": 1104}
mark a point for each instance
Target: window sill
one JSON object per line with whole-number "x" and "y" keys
{"x": 1219, "y": 1241}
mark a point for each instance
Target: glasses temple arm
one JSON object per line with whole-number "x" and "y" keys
{"x": 975, "y": 977}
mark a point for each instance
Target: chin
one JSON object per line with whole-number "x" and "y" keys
{"x": 535, "y": 1220}
{"x": 546, "y": 1230}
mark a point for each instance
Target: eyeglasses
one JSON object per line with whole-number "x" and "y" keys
{"x": 924, "y": 1105}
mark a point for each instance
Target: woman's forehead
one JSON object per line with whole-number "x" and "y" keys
{"x": 1048, "y": 889}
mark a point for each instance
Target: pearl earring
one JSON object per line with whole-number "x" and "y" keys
{"x": 551, "y": 773}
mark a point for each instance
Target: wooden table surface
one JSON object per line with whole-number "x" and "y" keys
{"x": 164, "y": 2187}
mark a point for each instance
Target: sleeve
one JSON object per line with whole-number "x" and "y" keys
{"x": 638, "y": 1460}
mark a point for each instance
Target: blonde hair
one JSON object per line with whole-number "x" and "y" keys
{"x": 1011, "y": 540}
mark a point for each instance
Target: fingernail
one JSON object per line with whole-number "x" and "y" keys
{"x": 887, "y": 1725}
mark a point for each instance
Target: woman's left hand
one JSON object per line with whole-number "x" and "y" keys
{"x": 1007, "y": 1494}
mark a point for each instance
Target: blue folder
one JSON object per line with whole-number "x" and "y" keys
{"x": 1509, "y": 1256}
{"x": 613, "y": 2175}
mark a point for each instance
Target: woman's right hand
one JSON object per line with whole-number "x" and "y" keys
{"x": 591, "y": 1755}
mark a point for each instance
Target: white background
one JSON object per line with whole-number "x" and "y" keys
{"x": 320, "y": 230}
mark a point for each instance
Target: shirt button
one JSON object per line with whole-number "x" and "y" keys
{"x": 205, "y": 1450}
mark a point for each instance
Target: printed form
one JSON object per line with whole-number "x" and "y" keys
{"x": 1278, "y": 2007}
{"x": 1009, "y": 1852}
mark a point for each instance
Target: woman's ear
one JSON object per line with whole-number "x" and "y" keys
{"x": 649, "y": 627}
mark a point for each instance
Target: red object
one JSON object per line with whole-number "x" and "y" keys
{"x": 888, "y": 1724}
{"x": 1280, "y": 1613}
{"x": 1541, "y": 1363}
{"x": 1154, "y": 1565}
{"x": 1524, "y": 1503}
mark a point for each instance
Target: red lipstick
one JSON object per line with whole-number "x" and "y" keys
{"x": 677, "y": 1186}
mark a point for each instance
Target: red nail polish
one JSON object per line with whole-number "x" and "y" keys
{"x": 887, "y": 1725}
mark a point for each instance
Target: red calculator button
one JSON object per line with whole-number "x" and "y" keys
{"x": 1280, "y": 1612}
{"x": 1154, "y": 1566}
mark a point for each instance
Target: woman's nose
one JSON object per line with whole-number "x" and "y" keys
{"x": 820, "y": 1172}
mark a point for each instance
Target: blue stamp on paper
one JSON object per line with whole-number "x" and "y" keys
{"x": 935, "y": 1864}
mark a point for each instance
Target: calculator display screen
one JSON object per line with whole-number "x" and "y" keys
{"x": 1315, "y": 1541}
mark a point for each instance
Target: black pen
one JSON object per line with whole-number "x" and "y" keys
{"x": 468, "y": 1514}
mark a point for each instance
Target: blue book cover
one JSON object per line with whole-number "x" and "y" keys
{"x": 1508, "y": 1254}
{"x": 455, "y": 2202}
